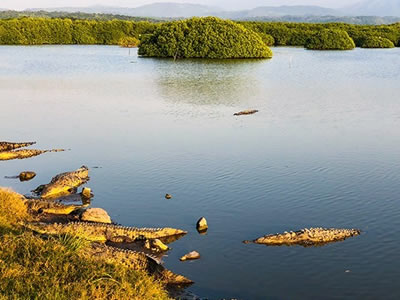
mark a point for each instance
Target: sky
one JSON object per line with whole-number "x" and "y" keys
{"x": 227, "y": 4}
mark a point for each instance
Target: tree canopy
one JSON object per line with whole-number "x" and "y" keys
{"x": 329, "y": 39}
{"x": 376, "y": 42}
{"x": 203, "y": 38}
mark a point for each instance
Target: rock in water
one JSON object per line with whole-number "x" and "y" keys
{"x": 26, "y": 176}
{"x": 190, "y": 256}
{"x": 168, "y": 196}
{"x": 202, "y": 224}
{"x": 87, "y": 193}
{"x": 156, "y": 245}
{"x": 97, "y": 215}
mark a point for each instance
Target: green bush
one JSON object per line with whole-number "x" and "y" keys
{"x": 203, "y": 38}
{"x": 267, "y": 39}
{"x": 129, "y": 42}
{"x": 376, "y": 42}
{"x": 329, "y": 39}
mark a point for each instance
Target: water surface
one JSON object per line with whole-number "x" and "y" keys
{"x": 322, "y": 151}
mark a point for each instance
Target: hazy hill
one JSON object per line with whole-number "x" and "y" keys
{"x": 275, "y": 11}
{"x": 155, "y": 10}
{"x": 176, "y": 10}
{"x": 375, "y": 8}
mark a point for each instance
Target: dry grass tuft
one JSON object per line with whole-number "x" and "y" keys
{"x": 13, "y": 210}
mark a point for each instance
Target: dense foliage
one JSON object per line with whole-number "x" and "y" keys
{"x": 129, "y": 42}
{"x": 297, "y": 34}
{"x": 267, "y": 39}
{"x": 329, "y": 39}
{"x": 204, "y": 38}
{"x": 376, "y": 42}
{"x": 38, "y": 31}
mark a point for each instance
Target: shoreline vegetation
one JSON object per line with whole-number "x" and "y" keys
{"x": 208, "y": 37}
{"x": 60, "y": 266}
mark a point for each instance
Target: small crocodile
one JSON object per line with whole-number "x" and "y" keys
{"x": 63, "y": 184}
{"x": 136, "y": 261}
{"x": 99, "y": 232}
{"x": 246, "y": 112}
{"x": 307, "y": 237}
{"x": 7, "y": 146}
{"x": 24, "y": 153}
{"x": 39, "y": 206}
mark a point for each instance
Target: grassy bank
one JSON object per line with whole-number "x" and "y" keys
{"x": 33, "y": 267}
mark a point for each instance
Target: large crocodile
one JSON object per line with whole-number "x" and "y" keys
{"x": 7, "y": 146}
{"x": 99, "y": 232}
{"x": 39, "y": 206}
{"x": 137, "y": 261}
{"x": 307, "y": 237}
{"x": 24, "y": 153}
{"x": 63, "y": 184}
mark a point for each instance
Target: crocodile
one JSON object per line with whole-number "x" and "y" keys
{"x": 136, "y": 261}
{"x": 7, "y": 146}
{"x": 39, "y": 206}
{"x": 246, "y": 112}
{"x": 63, "y": 184}
{"x": 100, "y": 232}
{"x": 24, "y": 153}
{"x": 307, "y": 237}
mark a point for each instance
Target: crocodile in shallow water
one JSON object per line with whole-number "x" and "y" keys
{"x": 137, "y": 261}
{"x": 307, "y": 237}
{"x": 99, "y": 232}
{"x": 7, "y": 146}
{"x": 63, "y": 184}
{"x": 24, "y": 153}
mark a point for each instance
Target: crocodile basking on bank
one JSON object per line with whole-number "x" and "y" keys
{"x": 24, "y": 153}
{"x": 7, "y": 146}
{"x": 63, "y": 184}
{"x": 307, "y": 237}
{"x": 99, "y": 232}
{"x": 39, "y": 206}
{"x": 136, "y": 260}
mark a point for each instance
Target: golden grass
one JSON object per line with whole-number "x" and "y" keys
{"x": 57, "y": 267}
{"x": 13, "y": 210}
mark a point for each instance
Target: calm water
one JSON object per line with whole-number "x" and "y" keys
{"x": 322, "y": 151}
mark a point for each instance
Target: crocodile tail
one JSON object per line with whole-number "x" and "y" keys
{"x": 175, "y": 279}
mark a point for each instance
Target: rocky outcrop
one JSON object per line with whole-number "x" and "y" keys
{"x": 307, "y": 237}
{"x": 98, "y": 215}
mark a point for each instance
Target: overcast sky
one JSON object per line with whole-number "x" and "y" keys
{"x": 232, "y": 4}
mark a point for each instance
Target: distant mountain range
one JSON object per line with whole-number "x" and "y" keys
{"x": 179, "y": 10}
{"x": 375, "y": 8}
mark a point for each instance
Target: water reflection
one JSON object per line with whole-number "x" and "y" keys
{"x": 208, "y": 82}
